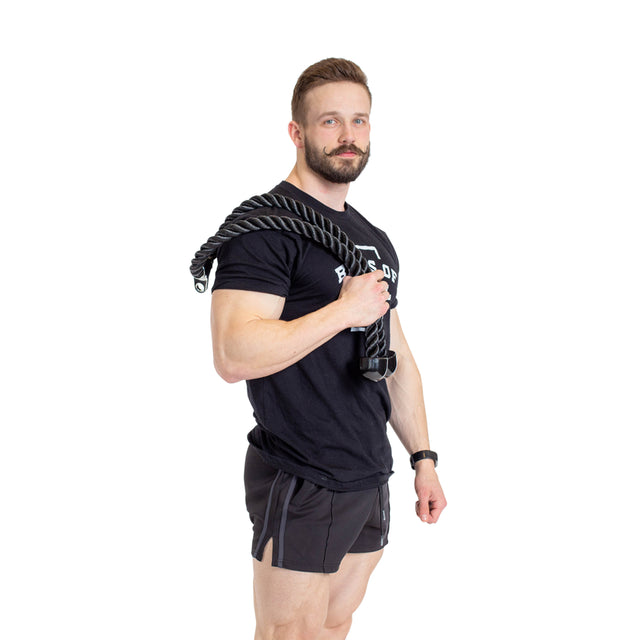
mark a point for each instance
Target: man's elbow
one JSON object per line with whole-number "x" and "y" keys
{"x": 228, "y": 372}
{"x": 227, "y": 369}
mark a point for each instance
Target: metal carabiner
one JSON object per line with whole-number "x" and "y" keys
{"x": 200, "y": 283}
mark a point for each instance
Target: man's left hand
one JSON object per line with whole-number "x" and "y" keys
{"x": 431, "y": 500}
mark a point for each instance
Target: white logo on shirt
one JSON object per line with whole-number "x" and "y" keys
{"x": 389, "y": 273}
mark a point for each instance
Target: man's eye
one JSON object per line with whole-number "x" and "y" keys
{"x": 330, "y": 121}
{"x": 359, "y": 121}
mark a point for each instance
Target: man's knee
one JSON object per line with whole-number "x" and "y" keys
{"x": 307, "y": 628}
{"x": 338, "y": 631}
{"x": 304, "y": 628}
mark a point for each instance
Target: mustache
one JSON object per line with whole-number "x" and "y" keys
{"x": 345, "y": 148}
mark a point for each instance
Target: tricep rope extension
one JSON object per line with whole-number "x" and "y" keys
{"x": 377, "y": 363}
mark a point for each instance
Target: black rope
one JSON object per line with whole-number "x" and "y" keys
{"x": 310, "y": 225}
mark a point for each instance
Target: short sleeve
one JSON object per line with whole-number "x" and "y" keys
{"x": 261, "y": 261}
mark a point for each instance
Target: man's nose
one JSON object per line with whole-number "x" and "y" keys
{"x": 347, "y": 135}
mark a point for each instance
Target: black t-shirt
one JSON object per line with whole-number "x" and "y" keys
{"x": 319, "y": 418}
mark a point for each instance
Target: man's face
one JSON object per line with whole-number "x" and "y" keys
{"x": 336, "y": 131}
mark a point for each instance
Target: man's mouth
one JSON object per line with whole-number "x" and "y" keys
{"x": 346, "y": 151}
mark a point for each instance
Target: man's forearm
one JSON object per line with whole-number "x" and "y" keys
{"x": 409, "y": 420}
{"x": 250, "y": 341}
{"x": 408, "y": 415}
{"x": 263, "y": 346}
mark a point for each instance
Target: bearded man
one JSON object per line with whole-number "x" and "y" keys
{"x": 286, "y": 318}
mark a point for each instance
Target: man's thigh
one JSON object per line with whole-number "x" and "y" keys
{"x": 304, "y": 605}
{"x": 349, "y": 585}
{"x": 288, "y": 604}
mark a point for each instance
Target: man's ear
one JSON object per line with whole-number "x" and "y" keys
{"x": 296, "y": 134}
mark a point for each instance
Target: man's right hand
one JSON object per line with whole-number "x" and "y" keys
{"x": 365, "y": 298}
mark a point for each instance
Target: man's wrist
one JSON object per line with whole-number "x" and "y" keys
{"x": 341, "y": 313}
{"x": 425, "y": 466}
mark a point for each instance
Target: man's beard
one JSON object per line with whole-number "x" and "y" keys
{"x": 341, "y": 171}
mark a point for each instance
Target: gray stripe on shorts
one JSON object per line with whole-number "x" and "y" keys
{"x": 267, "y": 511}
{"x": 283, "y": 521}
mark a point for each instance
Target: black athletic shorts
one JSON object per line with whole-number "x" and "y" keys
{"x": 312, "y": 527}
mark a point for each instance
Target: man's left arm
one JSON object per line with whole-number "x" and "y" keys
{"x": 409, "y": 421}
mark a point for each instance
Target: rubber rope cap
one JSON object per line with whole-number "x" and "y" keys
{"x": 377, "y": 369}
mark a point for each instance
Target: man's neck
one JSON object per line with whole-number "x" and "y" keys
{"x": 331, "y": 194}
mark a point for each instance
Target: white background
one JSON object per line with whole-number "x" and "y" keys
{"x": 505, "y": 165}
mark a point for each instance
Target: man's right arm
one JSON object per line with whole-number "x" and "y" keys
{"x": 250, "y": 341}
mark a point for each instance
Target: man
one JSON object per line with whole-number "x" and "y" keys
{"x": 285, "y": 318}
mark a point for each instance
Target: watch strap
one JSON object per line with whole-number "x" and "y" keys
{"x": 423, "y": 455}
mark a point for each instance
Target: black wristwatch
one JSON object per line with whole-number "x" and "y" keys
{"x": 423, "y": 455}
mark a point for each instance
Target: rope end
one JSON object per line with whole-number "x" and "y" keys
{"x": 379, "y": 368}
{"x": 201, "y": 283}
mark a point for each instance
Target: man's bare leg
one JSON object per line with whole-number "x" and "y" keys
{"x": 296, "y": 605}
{"x": 346, "y": 592}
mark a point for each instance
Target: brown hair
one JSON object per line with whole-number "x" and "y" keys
{"x": 323, "y": 72}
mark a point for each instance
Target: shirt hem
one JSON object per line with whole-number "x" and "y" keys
{"x": 372, "y": 481}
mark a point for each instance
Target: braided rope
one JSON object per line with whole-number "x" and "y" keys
{"x": 310, "y": 225}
